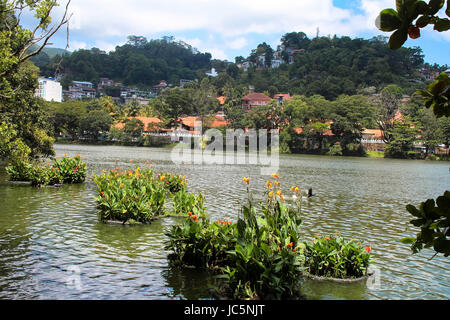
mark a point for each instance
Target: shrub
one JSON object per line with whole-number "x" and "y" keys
{"x": 172, "y": 182}
{"x": 67, "y": 170}
{"x": 19, "y": 170}
{"x": 185, "y": 202}
{"x": 71, "y": 170}
{"x": 260, "y": 255}
{"x": 198, "y": 243}
{"x": 129, "y": 196}
{"x": 334, "y": 257}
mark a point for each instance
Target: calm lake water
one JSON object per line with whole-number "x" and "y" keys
{"x": 52, "y": 245}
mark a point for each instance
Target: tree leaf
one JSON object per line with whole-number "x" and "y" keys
{"x": 398, "y": 38}
{"x": 388, "y": 20}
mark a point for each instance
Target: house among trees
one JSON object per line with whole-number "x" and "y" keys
{"x": 282, "y": 97}
{"x": 159, "y": 87}
{"x": 254, "y": 100}
{"x": 81, "y": 89}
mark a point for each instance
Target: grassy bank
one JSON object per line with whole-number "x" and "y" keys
{"x": 375, "y": 154}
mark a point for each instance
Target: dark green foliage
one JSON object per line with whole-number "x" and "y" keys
{"x": 140, "y": 62}
{"x": 433, "y": 219}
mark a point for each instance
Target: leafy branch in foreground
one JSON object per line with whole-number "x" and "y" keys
{"x": 433, "y": 219}
{"x": 409, "y": 17}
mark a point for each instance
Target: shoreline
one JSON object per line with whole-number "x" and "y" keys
{"x": 368, "y": 155}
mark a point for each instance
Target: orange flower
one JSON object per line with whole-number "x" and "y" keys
{"x": 328, "y": 238}
{"x": 292, "y": 188}
{"x": 295, "y": 250}
{"x": 275, "y": 175}
{"x": 269, "y": 184}
{"x": 246, "y": 180}
{"x": 290, "y": 244}
{"x": 278, "y": 248}
{"x": 368, "y": 249}
{"x": 229, "y": 222}
{"x": 190, "y": 213}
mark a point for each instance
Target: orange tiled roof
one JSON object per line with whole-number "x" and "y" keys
{"x": 256, "y": 97}
{"x": 286, "y": 97}
{"x": 149, "y": 123}
{"x": 222, "y": 100}
{"x": 373, "y": 133}
{"x": 219, "y": 121}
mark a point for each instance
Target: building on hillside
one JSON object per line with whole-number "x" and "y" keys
{"x": 282, "y": 97}
{"x": 212, "y": 73}
{"x": 159, "y": 87}
{"x": 105, "y": 82}
{"x": 81, "y": 89}
{"x": 276, "y": 63}
{"x": 49, "y": 90}
{"x": 253, "y": 100}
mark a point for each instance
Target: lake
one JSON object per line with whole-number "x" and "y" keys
{"x": 52, "y": 245}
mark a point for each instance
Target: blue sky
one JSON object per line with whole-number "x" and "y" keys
{"x": 230, "y": 28}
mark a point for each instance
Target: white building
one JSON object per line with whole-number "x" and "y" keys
{"x": 49, "y": 90}
{"x": 213, "y": 73}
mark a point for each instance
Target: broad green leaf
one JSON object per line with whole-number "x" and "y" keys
{"x": 434, "y": 6}
{"x": 388, "y": 20}
{"x": 398, "y": 38}
{"x": 442, "y": 25}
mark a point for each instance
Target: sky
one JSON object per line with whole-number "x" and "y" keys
{"x": 230, "y": 28}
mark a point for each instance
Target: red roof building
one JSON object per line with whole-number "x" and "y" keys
{"x": 254, "y": 100}
{"x": 150, "y": 124}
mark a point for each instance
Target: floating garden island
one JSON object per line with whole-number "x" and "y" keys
{"x": 65, "y": 170}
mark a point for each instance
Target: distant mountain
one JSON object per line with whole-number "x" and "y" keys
{"x": 44, "y": 58}
{"x": 52, "y": 52}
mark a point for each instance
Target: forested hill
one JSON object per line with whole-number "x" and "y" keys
{"x": 323, "y": 65}
{"x": 338, "y": 65}
{"x": 138, "y": 62}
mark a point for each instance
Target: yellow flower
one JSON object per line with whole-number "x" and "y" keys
{"x": 275, "y": 175}
{"x": 65, "y": 154}
{"x": 246, "y": 180}
{"x": 279, "y": 193}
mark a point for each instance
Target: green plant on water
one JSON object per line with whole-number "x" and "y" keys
{"x": 65, "y": 170}
{"x": 185, "y": 202}
{"x": 172, "y": 182}
{"x": 71, "y": 169}
{"x": 129, "y": 195}
{"x": 335, "y": 257}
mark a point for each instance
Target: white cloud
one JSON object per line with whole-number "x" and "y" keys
{"x": 76, "y": 45}
{"x": 232, "y": 18}
{"x": 218, "y": 26}
{"x": 238, "y": 43}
